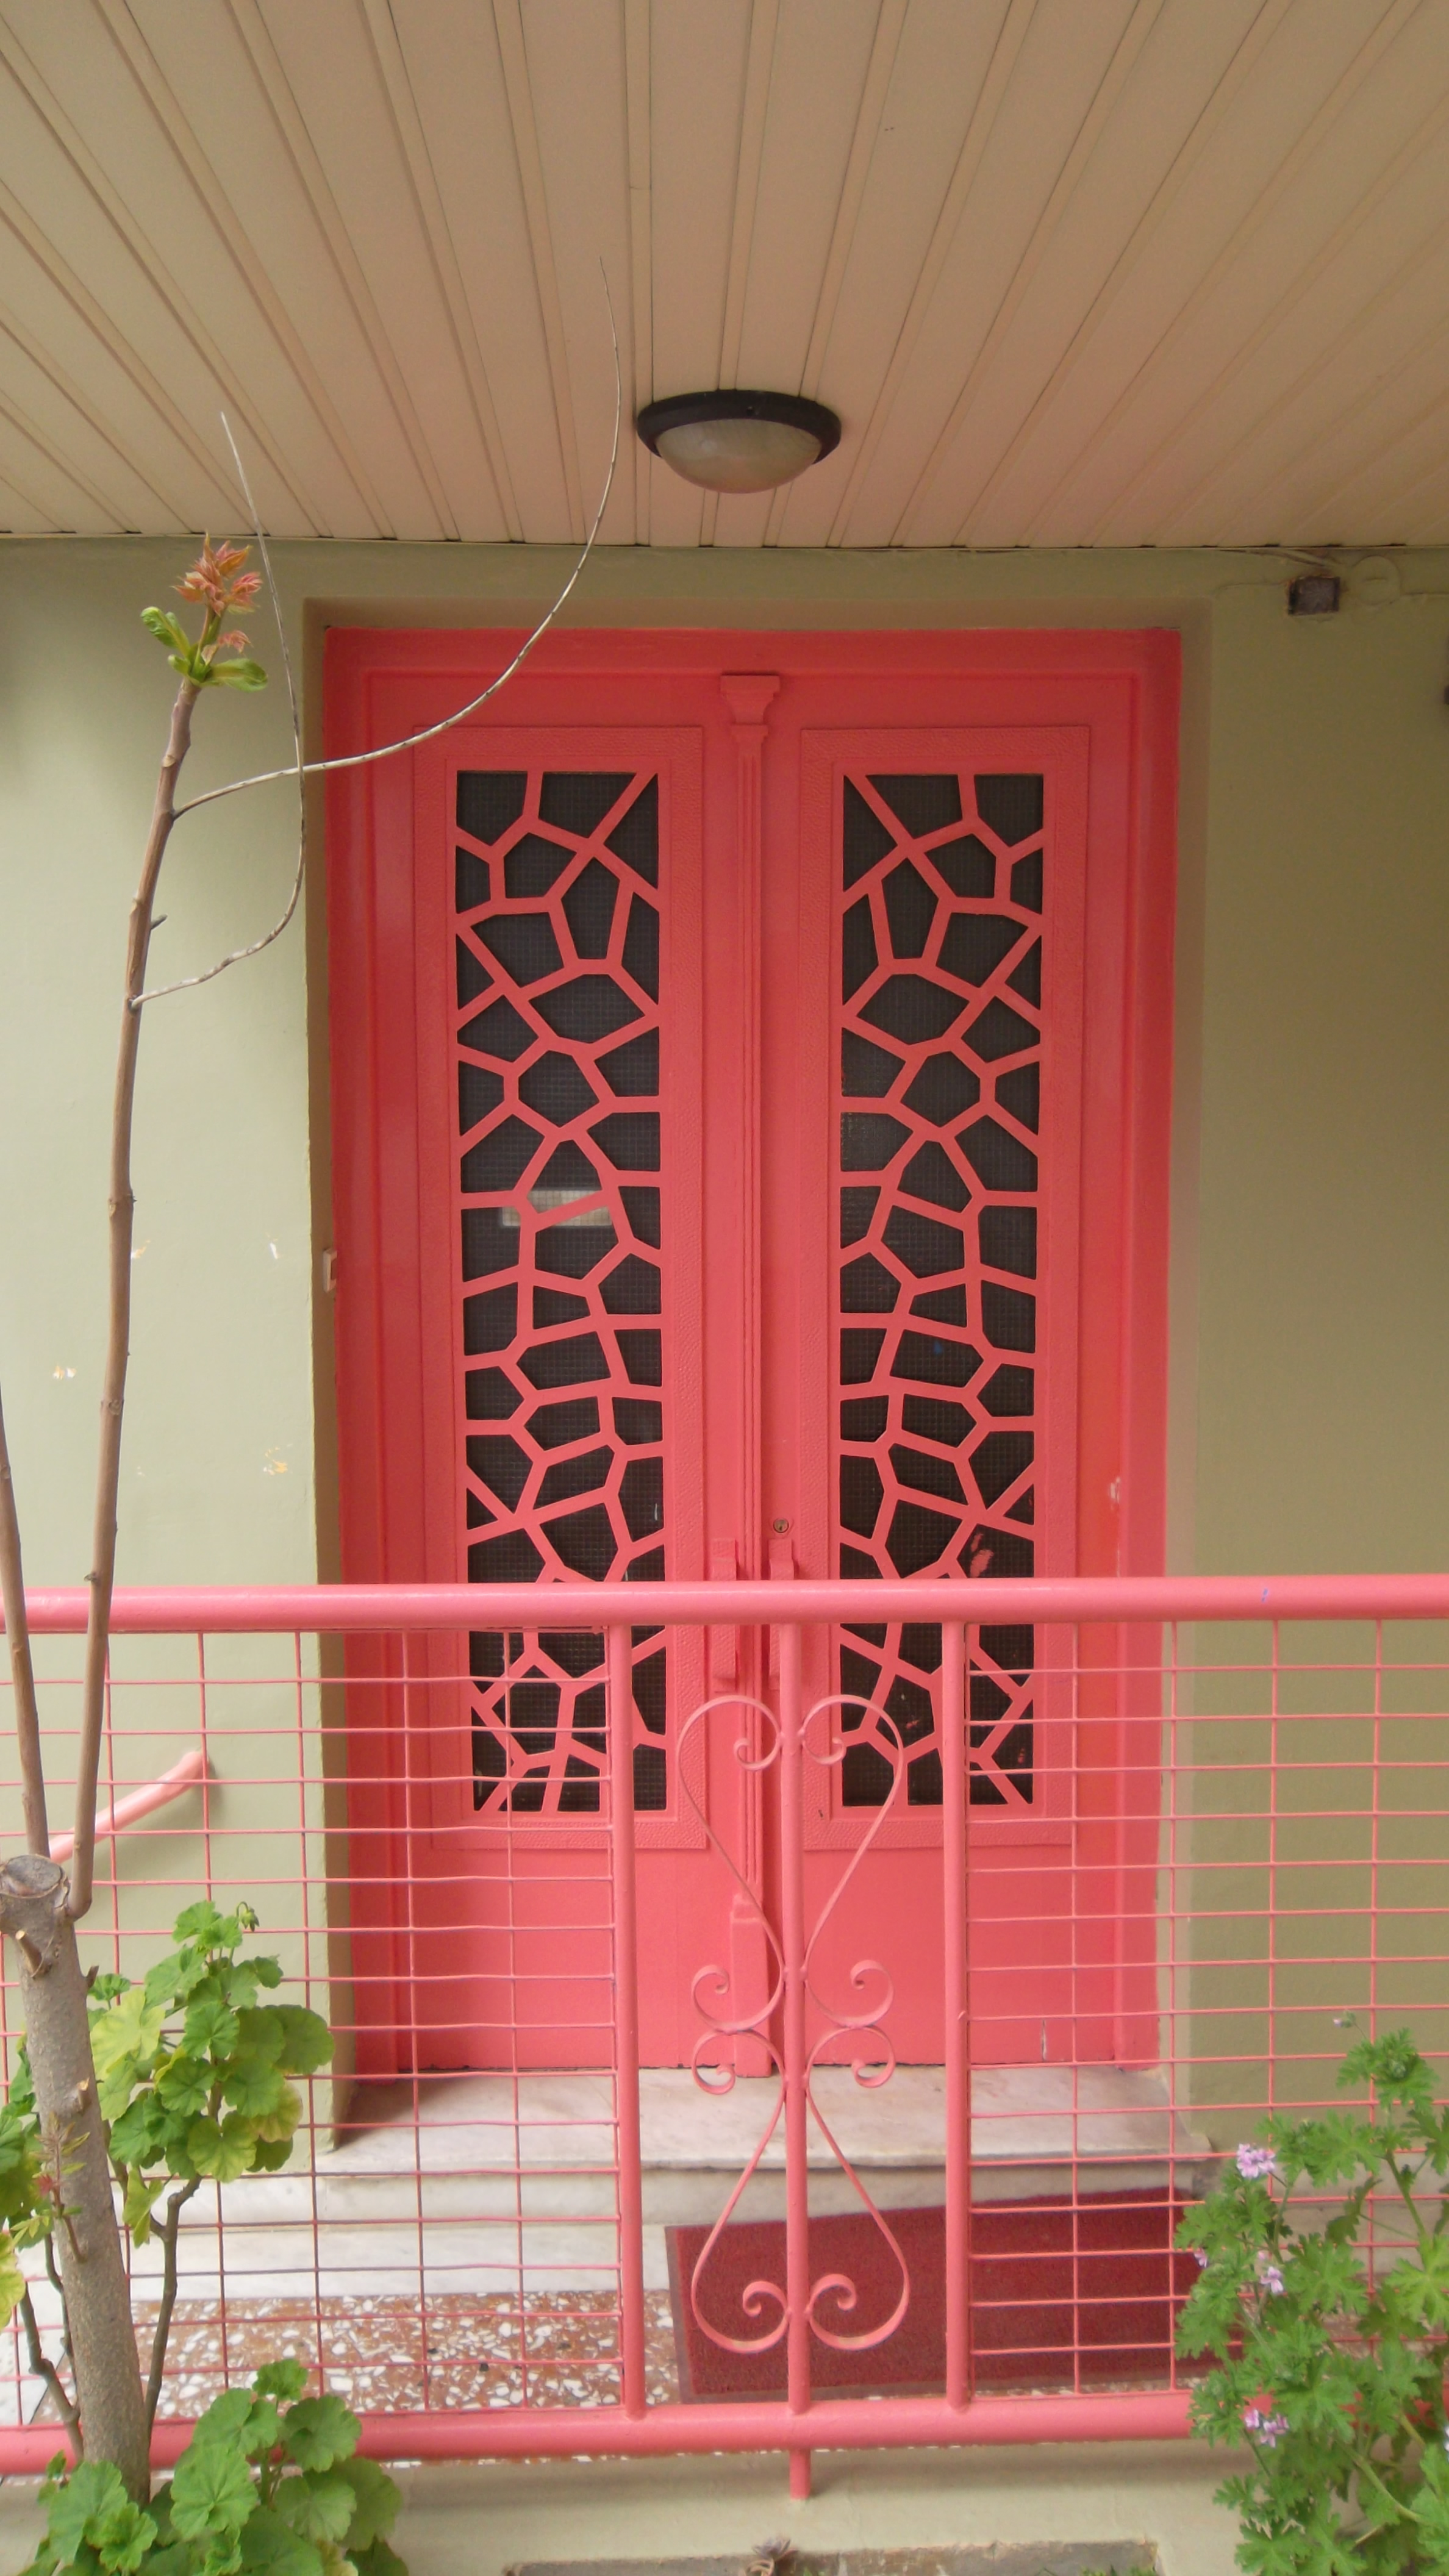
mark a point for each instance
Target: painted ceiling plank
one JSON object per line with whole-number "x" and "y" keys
{"x": 1374, "y": 302}
{"x": 637, "y": 78}
{"x": 1210, "y": 313}
{"x": 227, "y": 224}
{"x": 1398, "y": 501}
{"x": 759, "y": 62}
{"x": 1010, "y": 38}
{"x": 1330, "y": 353}
{"x": 1435, "y": 525}
{"x": 884, "y": 47}
{"x": 1206, "y": 127}
{"x": 330, "y": 65}
{"x": 53, "y": 517}
{"x": 1385, "y": 355}
{"x": 1123, "y": 61}
{"x": 873, "y": 96}
{"x": 272, "y": 78}
{"x": 942, "y": 60}
{"x": 699, "y": 53}
{"x": 62, "y": 278}
{"x": 412, "y": 137}
{"x": 1063, "y": 60}
{"x": 1107, "y": 435}
{"x": 508, "y": 20}
{"x": 247, "y": 414}
{"x": 20, "y": 515}
{"x": 455, "y": 73}
{"x": 579, "y": 89}
{"x": 107, "y": 515}
{"x": 103, "y": 428}
{"x": 821, "y": 60}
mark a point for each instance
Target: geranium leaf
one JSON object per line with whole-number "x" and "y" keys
{"x": 221, "y": 2149}
{"x": 319, "y": 2505}
{"x": 306, "y": 2039}
{"x": 376, "y": 2503}
{"x": 320, "y": 2431}
{"x": 281, "y": 2379}
{"x": 269, "y": 2547}
{"x": 212, "y": 2489}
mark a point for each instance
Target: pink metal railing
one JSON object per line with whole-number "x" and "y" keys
{"x": 1247, "y": 1844}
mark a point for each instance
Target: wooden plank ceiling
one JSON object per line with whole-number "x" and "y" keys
{"x": 1073, "y": 272}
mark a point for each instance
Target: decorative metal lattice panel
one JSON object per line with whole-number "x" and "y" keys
{"x": 557, "y": 968}
{"x": 940, "y": 885}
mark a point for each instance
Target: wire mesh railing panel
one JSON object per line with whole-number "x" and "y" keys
{"x": 689, "y": 2117}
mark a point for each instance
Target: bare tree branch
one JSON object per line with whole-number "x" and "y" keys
{"x": 409, "y": 742}
{"x": 187, "y": 982}
{"x": 64, "y": 2404}
{"x": 161, "y": 2337}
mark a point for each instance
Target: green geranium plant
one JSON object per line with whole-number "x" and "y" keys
{"x": 270, "y": 2484}
{"x": 1332, "y": 2354}
{"x": 193, "y": 2074}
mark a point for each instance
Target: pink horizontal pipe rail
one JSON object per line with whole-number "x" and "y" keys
{"x": 530, "y": 2432}
{"x": 183, "y": 1775}
{"x": 333, "y": 1608}
{"x": 836, "y": 2424}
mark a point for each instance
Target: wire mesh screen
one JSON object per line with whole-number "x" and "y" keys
{"x": 492, "y": 2209}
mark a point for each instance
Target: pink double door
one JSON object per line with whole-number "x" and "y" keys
{"x": 750, "y": 1077}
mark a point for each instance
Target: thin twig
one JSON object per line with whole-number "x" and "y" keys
{"x": 22, "y": 1669}
{"x": 65, "y": 2405}
{"x": 236, "y": 956}
{"x": 409, "y": 742}
{"x": 160, "y": 2338}
{"x": 52, "y": 2274}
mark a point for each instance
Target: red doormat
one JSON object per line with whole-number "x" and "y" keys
{"x": 1056, "y": 2290}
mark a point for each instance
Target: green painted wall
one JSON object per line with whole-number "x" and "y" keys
{"x": 1311, "y": 1219}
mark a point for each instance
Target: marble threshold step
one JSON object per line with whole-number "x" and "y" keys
{"x": 506, "y": 2185}
{"x": 1032, "y": 2126}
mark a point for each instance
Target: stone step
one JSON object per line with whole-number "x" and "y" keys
{"x": 478, "y": 2183}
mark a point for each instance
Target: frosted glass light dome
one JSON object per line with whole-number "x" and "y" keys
{"x": 738, "y": 441}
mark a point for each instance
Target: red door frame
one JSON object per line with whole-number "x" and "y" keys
{"x": 1121, "y": 689}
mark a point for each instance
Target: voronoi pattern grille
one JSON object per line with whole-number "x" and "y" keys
{"x": 940, "y": 1043}
{"x": 557, "y": 962}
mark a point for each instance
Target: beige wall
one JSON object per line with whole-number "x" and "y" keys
{"x": 1309, "y": 1365}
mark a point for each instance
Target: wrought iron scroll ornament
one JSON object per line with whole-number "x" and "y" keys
{"x": 870, "y": 2066}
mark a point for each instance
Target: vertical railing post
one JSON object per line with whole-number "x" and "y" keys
{"x": 792, "y": 1943}
{"x": 626, "y": 2019}
{"x": 956, "y": 2007}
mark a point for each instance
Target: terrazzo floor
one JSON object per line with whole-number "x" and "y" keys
{"x": 392, "y": 2355}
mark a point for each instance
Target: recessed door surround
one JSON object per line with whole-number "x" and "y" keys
{"x": 751, "y": 1075}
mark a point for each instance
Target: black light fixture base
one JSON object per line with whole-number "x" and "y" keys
{"x": 681, "y": 411}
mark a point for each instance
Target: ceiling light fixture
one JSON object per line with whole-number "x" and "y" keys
{"x": 738, "y": 442}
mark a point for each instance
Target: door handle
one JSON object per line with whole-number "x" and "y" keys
{"x": 724, "y": 1642}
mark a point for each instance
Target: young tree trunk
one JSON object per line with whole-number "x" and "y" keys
{"x": 87, "y": 2240}
{"x": 38, "y": 1905}
{"x": 102, "y": 1575}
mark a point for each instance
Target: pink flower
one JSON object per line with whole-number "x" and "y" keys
{"x": 1257, "y": 2164}
{"x": 216, "y": 579}
{"x": 1270, "y": 2277}
{"x": 1266, "y": 2428}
